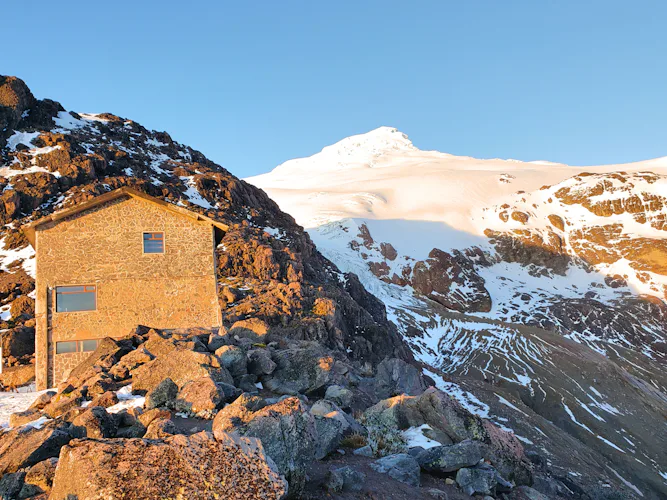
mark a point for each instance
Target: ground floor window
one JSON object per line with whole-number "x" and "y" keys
{"x": 87, "y": 345}
{"x": 76, "y": 298}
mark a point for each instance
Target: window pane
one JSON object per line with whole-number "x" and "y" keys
{"x": 88, "y": 345}
{"x": 75, "y": 298}
{"x": 153, "y": 242}
{"x": 64, "y": 347}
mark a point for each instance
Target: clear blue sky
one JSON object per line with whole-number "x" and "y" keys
{"x": 254, "y": 83}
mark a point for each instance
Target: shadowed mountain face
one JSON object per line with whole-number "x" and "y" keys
{"x": 542, "y": 310}
{"x": 535, "y": 292}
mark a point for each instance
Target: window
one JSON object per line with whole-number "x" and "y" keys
{"x": 88, "y": 345}
{"x": 76, "y": 298}
{"x": 65, "y": 347}
{"x": 153, "y": 242}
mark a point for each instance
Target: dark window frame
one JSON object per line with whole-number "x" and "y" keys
{"x": 155, "y": 236}
{"x": 86, "y": 290}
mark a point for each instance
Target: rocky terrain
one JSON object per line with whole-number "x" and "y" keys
{"x": 535, "y": 292}
{"x": 315, "y": 387}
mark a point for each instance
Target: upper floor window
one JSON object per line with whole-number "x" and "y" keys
{"x": 76, "y": 298}
{"x": 153, "y": 242}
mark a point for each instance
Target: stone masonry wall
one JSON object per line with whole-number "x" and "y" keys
{"x": 104, "y": 247}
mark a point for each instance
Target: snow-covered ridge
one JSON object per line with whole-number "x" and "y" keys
{"x": 381, "y": 175}
{"x": 357, "y": 151}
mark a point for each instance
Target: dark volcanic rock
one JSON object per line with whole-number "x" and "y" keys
{"x": 162, "y": 395}
{"x": 451, "y": 458}
{"x": 401, "y": 467}
{"x": 345, "y": 479}
{"x": 95, "y": 422}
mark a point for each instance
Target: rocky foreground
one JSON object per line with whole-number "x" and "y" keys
{"x": 246, "y": 413}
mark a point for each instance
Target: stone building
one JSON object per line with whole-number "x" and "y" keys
{"x": 117, "y": 261}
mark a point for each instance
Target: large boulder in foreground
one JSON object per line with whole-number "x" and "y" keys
{"x": 286, "y": 429}
{"x": 196, "y": 466}
{"x": 25, "y": 446}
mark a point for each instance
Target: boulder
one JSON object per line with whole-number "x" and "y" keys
{"x": 260, "y": 362}
{"x": 17, "y": 376}
{"x": 203, "y": 396}
{"x": 233, "y": 358}
{"x": 196, "y": 466}
{"x": 364, "y": 451}
{"x": 482, "y": 479}
{"x": 147, "y": 417}
{"x": 18, "y": 341}
{"x": 477, "y": 481}
{"x": 339, "y": 395}
{"x": 328, "y": 409}
{"x": 344, "y": 479}
{"x": 42, "y": 400}
{"x": 62, "y": 403}
{"x": 26, "y": 446}
{"x": 11, "y": 485}
{"x": 329, "y": 433}
{"x": 136, "y": 358}
{"x": 23, "y": 417}
{"x": 395, "y": 376}
{"x": 107, "y": 354}
{"x": 332, "y": 425}
{"x": 451, "y": 458}
{"x": 247, "y": 383}
{"x": 160, "y": 428}
{"x": 401, "y": 467}
{"x": 451, "y": 424}
{"x": 286, "y": 430}
{"x": 303, "y": 370}
{"x": 181, "y": 366}
{"x": 105, "y": 400}
{"x": 162, "y": 394}
{"x": 39, "y": 478}
{"x": 99, "y": 384}
{"x": 253, "y": 328}
{"x": 95, "y": 422}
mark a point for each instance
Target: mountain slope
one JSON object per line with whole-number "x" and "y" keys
{"x": 269, "y": 268}
{"x": 535, "y": 291}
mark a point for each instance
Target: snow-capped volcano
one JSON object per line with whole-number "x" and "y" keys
{"x": 536, "y": 290}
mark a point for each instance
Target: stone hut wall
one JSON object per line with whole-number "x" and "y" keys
{"x": 104, "y": 247}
